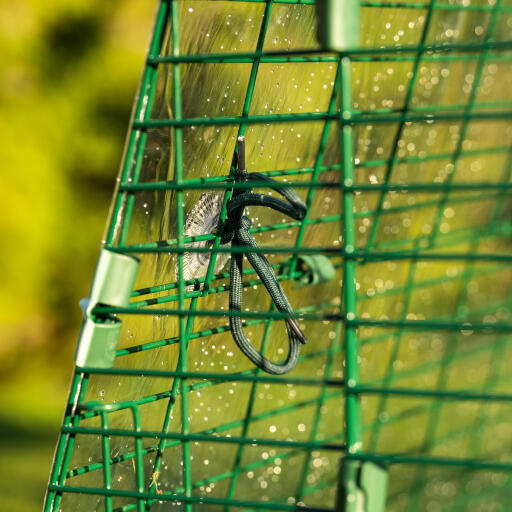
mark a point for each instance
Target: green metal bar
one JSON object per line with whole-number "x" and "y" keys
{"x": 424, "y": 368}
{"x": 208, "y": 332}
{"x": 353, "y": 426}
{"x": 65, "y": 446}
{"x": 445, "y": 364}
{"x": 139, "y": 462}
{"x": 350, "y": 320}
{"x": 387, "y": 5}
{"x": 269, "y": 505}
{"x": 366, "y": 55}
{"x": 391, "y": 187}
{"x": 196, "y": 182}
{"x": 438, "y": 440}
{"x": 219, "y": 330}
{"x": 351, "y": 255}
{"x": 391, "y": 117}
{"x": 473, "y": 464}
{"x": 107, "y": 475}
{"x": 73, "y": 420}
{"x": 180, "y": 220}
{"x": 236, "y": 377}
{"x": 450, "y": 395}
{"x": 244, "y": 57}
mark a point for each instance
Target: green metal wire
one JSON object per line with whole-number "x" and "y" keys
{"x": 383, "y": 380}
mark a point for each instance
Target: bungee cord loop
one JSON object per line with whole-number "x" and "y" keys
{"x": 236, "y": 231}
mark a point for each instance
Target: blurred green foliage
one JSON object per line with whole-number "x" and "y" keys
{"x": 68, "y": 75}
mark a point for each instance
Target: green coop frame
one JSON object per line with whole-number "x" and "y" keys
{"x": 471, "y": 262}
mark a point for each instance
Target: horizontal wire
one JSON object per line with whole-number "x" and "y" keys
{"x": 267, "y": 505}
{"x": 390, "y": 458}
{"x": 422, "y": 113}
{"x": 217, "y": 289}
{"x": 427, "y": 393}
{"x": 464, "y": 326}
{"x": 347, "y": 118}
{"x": 391, "y": 5}
{"x": 345, "y": 186}
{"x": 133, "y": 372}
{"x": 345, "y": 253}
{"x": 249, "y": 57}
{"x": 299, "y": 57}
{"x": 383, "y": 336}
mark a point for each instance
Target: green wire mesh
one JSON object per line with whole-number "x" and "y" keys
{"x": 402, "y": 151}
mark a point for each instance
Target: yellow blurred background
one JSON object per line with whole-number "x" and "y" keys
{"x": 68, "y": 76}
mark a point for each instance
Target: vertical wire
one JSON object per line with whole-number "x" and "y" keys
{"x": 349, "y": 299}
{"x": 107, "y": 473}
{"x": 180, "y": 220}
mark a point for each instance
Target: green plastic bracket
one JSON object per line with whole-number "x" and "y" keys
{"x": 338, "y": 24}
{"x": 112, "y": 285}
{"x": 363, "y": 487}
{"x": 374, "y": 481}
{"x": 315, "y": 268}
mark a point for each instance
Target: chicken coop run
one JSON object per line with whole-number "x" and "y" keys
{"x": 303, "y": 297}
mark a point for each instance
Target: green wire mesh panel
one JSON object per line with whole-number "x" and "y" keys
{"x": 401, "y": 150}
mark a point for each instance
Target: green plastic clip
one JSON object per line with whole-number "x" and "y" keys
{"x": 315, "y": 268}
{"x": 112, "y": 285}
{"x": 363, "y": 487}
{"x": 338, "y": 24}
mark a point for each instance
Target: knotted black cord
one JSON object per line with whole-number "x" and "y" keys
{"x": 236, "y": 230}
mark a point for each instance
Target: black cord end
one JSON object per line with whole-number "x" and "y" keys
{"x": 296, "y": 330}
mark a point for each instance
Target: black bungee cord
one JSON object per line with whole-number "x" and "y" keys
{"x": 236, "y": 231}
